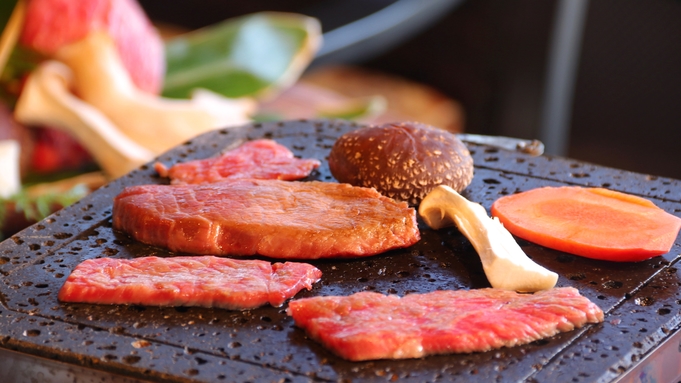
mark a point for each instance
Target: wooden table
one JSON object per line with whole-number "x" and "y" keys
{"x": 639, "y": 337}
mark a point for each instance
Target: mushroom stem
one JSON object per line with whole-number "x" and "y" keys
{"x": 505, "y": 264}
{"x": 46, "y": 100}
{"x": 156, "y": 123}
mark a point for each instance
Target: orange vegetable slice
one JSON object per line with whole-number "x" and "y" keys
{"x": 590, "y": 222}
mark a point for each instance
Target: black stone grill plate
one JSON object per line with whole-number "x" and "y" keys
{"x": 641, "y": 300}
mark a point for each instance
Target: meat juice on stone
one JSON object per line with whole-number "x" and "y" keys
{"x": 205, "y": 281}
{"x": 277, "y": 219}
{"x": 258, "y": 159}
{"x": 369, "y": 325}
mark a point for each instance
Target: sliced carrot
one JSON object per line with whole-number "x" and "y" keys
{"x": 591, "y": 222}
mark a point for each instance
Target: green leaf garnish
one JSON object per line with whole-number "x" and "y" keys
{"x": 252, "y": 55}
{"x": 36, "y": 208}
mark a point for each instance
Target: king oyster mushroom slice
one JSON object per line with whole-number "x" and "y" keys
{"x": 505, "y": 264}
{"x": 120, "y": 125}
{"x": 156, "y": 123}
{"x": 46, "y": 100}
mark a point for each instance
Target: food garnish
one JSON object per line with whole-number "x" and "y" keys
{"x": 100, "y": 81}
{"x": 99, "y": 65}
{"x": 402, "y": 161}
{"x": 591, "y": 222}
{"x": 46, "y": 99}
{"x": 35, "y": 203}
{"x": 505, "y": 264}
{"x": 257, "y": 55}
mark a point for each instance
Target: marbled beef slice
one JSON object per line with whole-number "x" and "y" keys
{"x": 278, "y": 219}
{"x": 369, "y": 325}
{"x": 259, "y": 159}
{"x": 205, "y": 281}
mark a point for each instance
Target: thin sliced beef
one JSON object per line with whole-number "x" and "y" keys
{"x": 205, "y": 281}
{"x": 370, "y": 325}
{"x": 278, "y": 219}
{"x": 259, "y": 159}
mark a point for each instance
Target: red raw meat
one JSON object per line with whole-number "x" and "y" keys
{"x": 205, "y": 281}
{"x": 259, "y": 159}
{"x": 278, "y": 219}
{"x": 370, "y": 325}
{"x": 52, "y": 24}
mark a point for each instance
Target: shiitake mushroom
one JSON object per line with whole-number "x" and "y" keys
{"x": 404, "y": 161}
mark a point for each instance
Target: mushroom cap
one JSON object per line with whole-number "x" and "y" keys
{"x": 51, "y": 24}
{"x": 404, "y": 161}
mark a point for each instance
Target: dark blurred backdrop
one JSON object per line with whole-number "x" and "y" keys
{"x": 624, "y": 109}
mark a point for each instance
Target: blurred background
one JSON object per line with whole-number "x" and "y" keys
{"x": 598, "y": 81}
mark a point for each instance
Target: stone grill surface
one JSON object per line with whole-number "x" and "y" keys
{"x": 641, "y": 300}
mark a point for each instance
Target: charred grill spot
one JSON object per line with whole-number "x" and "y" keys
{"x": 541, "y": 342}
{"x": 32, "y": 332}
{"x": 192, "y": 372}
{"x": 117, "y": 330}
{"x": 610, "y": 284}
{"x": 131, "y": 359}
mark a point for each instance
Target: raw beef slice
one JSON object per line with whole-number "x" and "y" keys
{"x": 370, "y": 325}
{"x": 205, "y": 281}
{"x": 259, "y": 159}
{"x": 278, "y": 219}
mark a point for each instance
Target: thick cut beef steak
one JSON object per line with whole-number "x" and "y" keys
{"x": 370, "y": 325}
{"x": 205, "y": 281}
{"x": 277, "y": 219}
{"x": 259, "y": 159}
